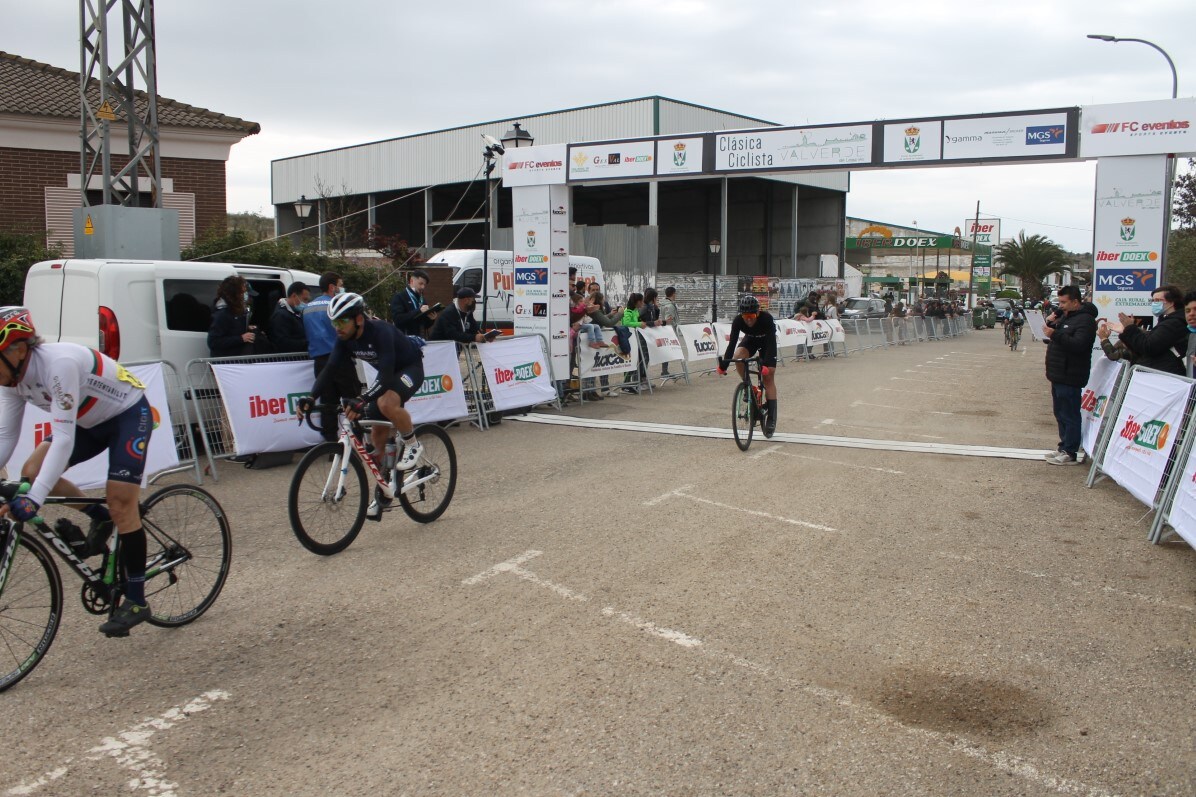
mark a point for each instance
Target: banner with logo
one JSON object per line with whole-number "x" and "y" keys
{"x": 608, "y": 360}
{"x": 701, "y": 342}
{"x": 609, "y": 159}
{"x": 909, "y": 142}
{"x": 517, "y": 372}
{"x": 791, "y": 333}
{"x": 259, "y": 400}
{"x": 92, "y": 474}
{"x": 1182, "y": 515}
{"x": 1157, "y": 127}
{"x": 442, "y": 395}
{"x": 679, "y": 156}
{"x": 1039, "y": 135}
{"x": 1145, "y": 431}
{"x": 540, "y": 219}
{"x": 821, "y": 332}
{"x": 837, "y": 334}
{"x": 663, "y": 344}
{"x": 1128, "y": 239}
{"x": 987, "y": 231}
{"x": 1095, "y": 398}
{"x": 543, "y": 165}
{"x": 793, "y": 148}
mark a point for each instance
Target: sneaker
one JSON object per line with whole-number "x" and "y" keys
{"x": 1064, "y": 458}
{"x": 411, "y": 455}
{"x": 1051, "y": 457}
{"x": 770, "y": 424}
{"x": 127, "y": 615}
{"x": 377, "y": 507}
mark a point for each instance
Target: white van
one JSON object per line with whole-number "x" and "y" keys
{"x": 467, "y": 273}
{"x": 136, "y": 310}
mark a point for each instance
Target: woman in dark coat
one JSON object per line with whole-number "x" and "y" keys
{"x": 1163, "y": 347}
{"x": 230, "y": 334}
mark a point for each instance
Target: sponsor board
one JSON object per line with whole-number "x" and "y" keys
{"x": 793, "y": 148}
{"x": 542, "y": 165}
{"x": 1033, "y": 135}
{"x": 612, "y": 159}
{"x": 679, "y": 156}
{"x": 1157, "y": 127}
{"x": 1137, "y": 454}
{"x": 913, "y": 142}
{"x": 1128, "y": 232}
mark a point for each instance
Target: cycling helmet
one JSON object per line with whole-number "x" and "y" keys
{"x": 346, "y": 305}
{"x": 748, "y": 304}
{"x": 15, "y": 324}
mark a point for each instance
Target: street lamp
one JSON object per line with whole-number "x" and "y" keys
{"x": 302, "y": 210}
{"x": 517, "y": 137}
{"x": 715, "y": 247}
{"x": 1104, "y": 37}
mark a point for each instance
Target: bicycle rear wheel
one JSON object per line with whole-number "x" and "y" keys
{"x": 743, "y": 419}
{"x": 325, "y": 523}
{"x": 1014, "y": 336}
{"x": 189, "y": 545}
{"x": 425, "y": 503}
{"x": 30, "y": 610}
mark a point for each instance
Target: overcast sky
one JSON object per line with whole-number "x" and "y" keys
{"x": 318, "y": 75}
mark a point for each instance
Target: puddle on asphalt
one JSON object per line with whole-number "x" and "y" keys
{"x": 959, "y": 704}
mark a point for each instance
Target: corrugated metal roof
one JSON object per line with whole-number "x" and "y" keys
{"x": 31, "y": 88}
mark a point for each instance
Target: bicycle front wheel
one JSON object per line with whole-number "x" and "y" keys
{"x": 189, "y": 545}
{"x": 743, "y": 420}
{"x": 438, "y": 464}
{"x": 1013, "y": 339}
{"x": 327, "y": 515}
{"x": 30, "y": 610}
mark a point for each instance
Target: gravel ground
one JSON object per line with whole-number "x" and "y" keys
{"x": 609, "y": 613}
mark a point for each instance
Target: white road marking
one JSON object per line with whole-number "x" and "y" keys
{"x": 831, "y": 422}
{"x": 131, "y": 750}
{"x": 777, "y": 450}
{"x": 958, "y": 368}
{"x": 919, "y": 381}
{"x": 1152, "y": 599}
{"x": 907, "y": 409}
{"x": 679, "y": 493}
{"x": 514, "y": 566}
{"x": 999, "y": 759}
{"x": 918, "y": 392}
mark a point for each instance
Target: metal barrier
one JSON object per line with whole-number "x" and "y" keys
{"x": 180, "y": 420}
{"x": 204, "y": 394}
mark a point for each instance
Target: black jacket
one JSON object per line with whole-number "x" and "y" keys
{"x": 404, "y": 314}
{"x": 452, "y": 324}
{"x": 1069, "y": 350}
{"x": 286, "y": 329}
{"x": 224, "y": 335}
{"x": 1162, "y": 348}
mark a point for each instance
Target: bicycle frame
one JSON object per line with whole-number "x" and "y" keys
{"x": 351, "y": 443}
{"x": 751, "y": 367}
{"x": 46, "y": 535}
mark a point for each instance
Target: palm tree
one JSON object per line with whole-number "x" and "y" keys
{"x": 1032, "y": 260}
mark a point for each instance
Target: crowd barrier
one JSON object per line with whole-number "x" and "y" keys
{"x": 1138, "y": 430}
{"x": 882, "y": 333}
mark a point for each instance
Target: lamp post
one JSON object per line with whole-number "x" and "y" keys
{"x": 1104, "y": 37}
{"x": 715, "y": 247}
{"x": 515, "y": 137}
{"x": 302, "y": 210}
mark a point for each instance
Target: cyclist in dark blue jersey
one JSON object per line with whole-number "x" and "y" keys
{"x": 755, "y": 332}
{"x": 399, "y": 361}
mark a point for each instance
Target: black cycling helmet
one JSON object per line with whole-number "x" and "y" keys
{"x": 748, "y": 304}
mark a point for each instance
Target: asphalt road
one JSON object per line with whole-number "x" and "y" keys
{"x": 621, "y": 613}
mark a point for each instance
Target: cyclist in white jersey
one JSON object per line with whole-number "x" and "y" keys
{"x": 94, "y": 405}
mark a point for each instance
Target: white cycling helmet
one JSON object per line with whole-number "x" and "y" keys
{"x": 346, "y": 305}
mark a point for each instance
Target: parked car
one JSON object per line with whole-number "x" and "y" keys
{"x": 861, "y": 307}
{"x": 1003, "y": 307}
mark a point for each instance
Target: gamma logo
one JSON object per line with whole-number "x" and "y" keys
{"x": 913, "y": 139}
{"x": 1045, "y": 134}
{"x": 1151, "y": 435}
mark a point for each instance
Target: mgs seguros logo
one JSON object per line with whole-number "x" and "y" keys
{"x": 1122, "y": 280}
{"x": 1045, "y": 134}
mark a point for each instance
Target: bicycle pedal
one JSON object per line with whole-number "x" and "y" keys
{"x": 116, "y": 634}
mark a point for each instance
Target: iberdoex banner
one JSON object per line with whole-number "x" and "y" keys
{"x": 517, "y": 372}
{"x": 1145, "y": 432}
{"x": 1182, "y": 516}
{"x": 162, "y": 454}
{"x": 259, "y": 399}
{"x": 442, "y": 395}
{"x": 1095, "y": 398}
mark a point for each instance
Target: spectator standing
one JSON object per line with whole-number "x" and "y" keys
{"x": 668, "y": 317}
{"x": 631, "y": 319}
{"x": 650, "y": 316}
{"x": 456, "y": 322}
{"x": 408, "y": 309}
{"x": 1070, "y": 334}
{"x": 1164, "y": 347}
{"x": 830, "y": 310}
{"x": 321, "y": 338}
{"x": 230, "y": 333}
{"x": 286, "y": 324}
{"x": 1190, "y": 317}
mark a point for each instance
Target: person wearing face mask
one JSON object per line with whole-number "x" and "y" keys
{"x": 286, "y": 324}
{"x": 321, "y": 339}
{"x": 230, "y": 334}
{"x": 1190, "y": 318}
{"x": 457, "y": 323}
{"x": 1163, "y": 347}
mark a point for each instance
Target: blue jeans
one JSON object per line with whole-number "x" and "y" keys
{"x": 1067, "y": 413}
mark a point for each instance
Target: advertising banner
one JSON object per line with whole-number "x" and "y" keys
{"x": 607, "y": 159}
{"x": 1138, "y": 128}
{"x": 93, "y": 474}
{"x": 982, "y": 273}
{"x": 663, "y": 344}
{"x": 913, "y": 142}
{"x": 259, "y": 400}
{"x": 793, "y": 148}
{"x": 987, "y": 232}
{"x": 791, "y": 333}
{"x": 722, "y": 331}
{"x": 1095, "y": 398}
{"x": 1182, "y": 515}
{"x": 701, "y": 342}
{"x": 1128, "y": 235}
{"x": 540, "y": 219}
{"x": 543, "y": 165}
{"x": 442, "y": 395}
{"x": 1144, "y": 432}
{"x": 599, "y": 362}
{"x": 837, "y": 334}
{"x": 678, "y": 156}
{"x": 558, "y": 281}
{"x": 517, "y": 372}
{"x": 996, "y": 137}
{"x": 822, "y": 332}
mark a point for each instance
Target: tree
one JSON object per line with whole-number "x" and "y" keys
{"x": 1183, "y": 199}
{"x": 258, "y": 226}
{"x": 344, "y": 227}
{"x": 19, "y": 251}
{"x": 1031, "y": 260}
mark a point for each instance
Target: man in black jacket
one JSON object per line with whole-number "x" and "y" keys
{"x": 286, "y": 324}
{"x": 407, "y": 305}
{"x": 1070, "y": 334}
{"x": 1164, "y": 347}
{"x": 457, "y": 323}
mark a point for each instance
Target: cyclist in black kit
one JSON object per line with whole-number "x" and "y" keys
{"x": 759, "y": 331}
{"x": 400, "y": 363}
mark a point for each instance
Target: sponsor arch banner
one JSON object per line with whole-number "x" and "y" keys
{"x": 701, "y": 341}
{"x": 517, "y": 372}
{"x": 1147, "y": 425}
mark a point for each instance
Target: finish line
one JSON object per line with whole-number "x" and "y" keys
{"x": 993, "y": 452}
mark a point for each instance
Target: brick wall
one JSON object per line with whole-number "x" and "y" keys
{"x": 25, "y": 172}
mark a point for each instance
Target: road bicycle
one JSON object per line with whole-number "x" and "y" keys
{"x": 188, "y": 550}
{"x": 748, "y": 405}
{"x": 1013, "y": 334}
{"x": 329, "y": 492}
